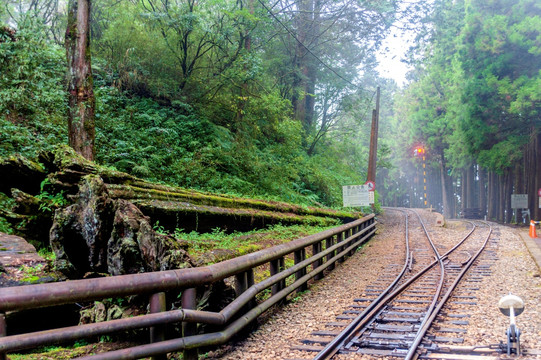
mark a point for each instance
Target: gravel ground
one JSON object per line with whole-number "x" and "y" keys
{"x": 513, "y": 272}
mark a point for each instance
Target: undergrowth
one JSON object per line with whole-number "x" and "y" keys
{"x": 244, "y": 242}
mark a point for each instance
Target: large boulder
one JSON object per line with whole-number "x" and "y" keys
{"x": 80, "y": 232}
{"x": 98, "y": 235}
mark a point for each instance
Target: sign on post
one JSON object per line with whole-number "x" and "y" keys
{"x": 519, "y": 201}
{"x": 357, "y": 195}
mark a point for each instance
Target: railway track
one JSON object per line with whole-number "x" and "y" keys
{"x": 415, "y": 309}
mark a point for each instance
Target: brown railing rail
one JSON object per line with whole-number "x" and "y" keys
{"x": 327, "y": 247}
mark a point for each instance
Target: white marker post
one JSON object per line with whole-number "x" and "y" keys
{"x": 512, "y": 306}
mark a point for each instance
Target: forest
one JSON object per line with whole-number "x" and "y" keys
{"x": 274, "y": 99}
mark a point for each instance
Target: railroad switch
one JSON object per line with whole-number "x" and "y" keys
{"x": 512, "y": 306}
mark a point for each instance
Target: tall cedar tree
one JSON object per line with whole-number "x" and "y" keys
{"x": 81, "y": 124}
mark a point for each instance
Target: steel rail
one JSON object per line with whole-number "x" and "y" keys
{"x": 379, "y": 303}
{"x": 334, "y": 345}
{"x": 441, "y": 283}
{"x": 422, "y": 331}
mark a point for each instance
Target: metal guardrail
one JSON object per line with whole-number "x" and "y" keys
{"x": 327, "y": 248}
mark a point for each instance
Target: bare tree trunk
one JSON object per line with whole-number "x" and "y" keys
{"x": 536, "y": 173}
{"x": 508, "y": 189}
{"x": 463, "y": 187}
{"x": 311, "y": 70}
{"x": 304, "y": 82}
{"x": 530, "y": 178}
{"x": 445, "y": 187}
{"x": 500, "y": 202}
{"x": 81, "y": 126}
{"x": 491, "y": 211}
{"x": 518, "y": 187}
{"x": 482, "y": 191}
{"x": 470, "y": 200}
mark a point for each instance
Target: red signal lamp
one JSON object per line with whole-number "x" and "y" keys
{"x": 418, "y": 150}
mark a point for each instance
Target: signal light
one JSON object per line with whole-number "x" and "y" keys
{"x": 418, "y": 150}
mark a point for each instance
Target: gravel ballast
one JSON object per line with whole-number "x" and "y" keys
{"x": 513, "y": 271}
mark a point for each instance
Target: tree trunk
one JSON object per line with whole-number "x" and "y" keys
{"x": 518, "y": 188}
{"x": 491, "y": 212}
{"x": 470, "y": 198}
{"x": 500, "y": 202}
{"x": 81, "y": 127}
{"x": 536, "y": 171}
{"x": 463, "y": 187}
{"x": 305, "y": 77}
{"x": 445, "y": 186}
{"x": 482, "y": 191}
{"x": 507, "y": 190}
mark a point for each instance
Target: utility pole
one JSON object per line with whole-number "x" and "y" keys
{"x": 373, "y": 154}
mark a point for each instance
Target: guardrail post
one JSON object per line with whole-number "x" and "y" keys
{"x": 275, "y": 267}
{"x": 354, "y": 231}
{"x": 157, "y": 333}
{"x": 300, "y": 255}
{"x": 346, "y": 235}
{"x": 339, "y": 239}
{"x": 316, "y": 248}
{"x": 188, "y": 301}
{"x": 243, "y": 281}
{"x": 3, "y": 332}
{"x": 250, "y": 281}
{"x": 328, "y": 243}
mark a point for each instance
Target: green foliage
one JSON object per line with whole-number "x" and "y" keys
{"x": 477, "y": 93}
{"x": 48, "y": 201}
{"x": 6, "y": 204}
{"x": 31, "y": 274}
{"x": 159, "y": 229}
{"x": 212, "y": 111}
{"x": 244, "y": 242}
{"x": 47, "y": 254}
{"x": 32, "y": 97}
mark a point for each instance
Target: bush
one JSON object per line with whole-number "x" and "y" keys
{"x": 32, "y": 96}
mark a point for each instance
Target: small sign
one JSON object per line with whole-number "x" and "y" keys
{"x": 372, "y": 185}
{"x": 519, "y": 201}
{"x": 356, "y": 195}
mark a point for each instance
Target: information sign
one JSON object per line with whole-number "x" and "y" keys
{"x": 356, "y": 195}
{"x": 519, "y": 201}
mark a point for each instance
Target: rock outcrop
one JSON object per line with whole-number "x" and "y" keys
{"x": 100, "y": 221}
{"x": 100, "y": 235}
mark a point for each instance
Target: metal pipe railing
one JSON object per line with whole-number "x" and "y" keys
{"x": 154, "y": 284}
{"x": 217, "y": 338}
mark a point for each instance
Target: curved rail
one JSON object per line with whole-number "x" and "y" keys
{"x": 377, "y": 306}
{"x": 422, "y": 331}
{"x": 334, "y": 345}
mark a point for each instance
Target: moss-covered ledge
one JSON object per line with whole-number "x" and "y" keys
{"x": 203, "y": 218}
{"x": 172, "y": 206}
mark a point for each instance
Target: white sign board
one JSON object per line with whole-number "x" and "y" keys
{"x": 519, "y": 201}
{"x": 357, "y": 195}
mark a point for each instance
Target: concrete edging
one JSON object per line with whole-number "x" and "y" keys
{"x": 534, "y": 247}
